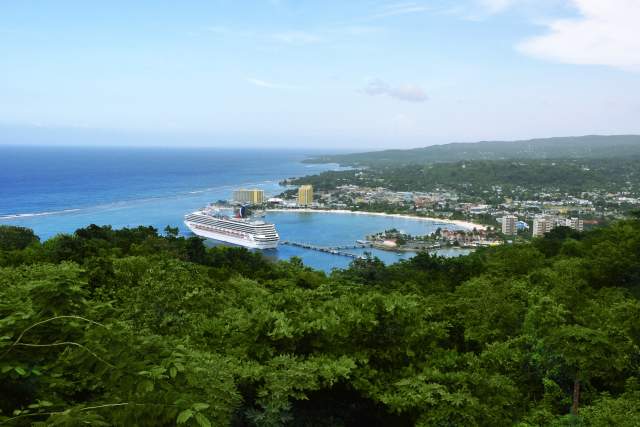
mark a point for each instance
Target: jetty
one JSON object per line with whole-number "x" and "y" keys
{"x": 333, "y": 250}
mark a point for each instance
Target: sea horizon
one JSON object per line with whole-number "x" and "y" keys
{"x": 37, "y": 162}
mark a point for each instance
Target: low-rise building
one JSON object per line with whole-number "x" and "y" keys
{"x": 275, "y": 201}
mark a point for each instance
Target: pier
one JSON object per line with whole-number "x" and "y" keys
{"x": 333, "y": 250}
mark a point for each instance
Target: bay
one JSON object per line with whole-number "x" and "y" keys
{"x": 59, "y": 189}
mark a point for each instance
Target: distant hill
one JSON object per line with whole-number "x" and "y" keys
{"x": 580, "y": 147}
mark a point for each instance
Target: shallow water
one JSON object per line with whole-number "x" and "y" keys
{"x": 337, "y": 229}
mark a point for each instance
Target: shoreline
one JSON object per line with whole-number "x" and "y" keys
{"x": 464, "y": 224}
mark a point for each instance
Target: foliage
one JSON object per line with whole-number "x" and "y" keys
{"x": 12, "y": 238}
{"x": 128, "y": 327}
{"x": 480, "y": 177}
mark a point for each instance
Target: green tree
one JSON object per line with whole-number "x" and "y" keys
{"x": 16, "y": 238}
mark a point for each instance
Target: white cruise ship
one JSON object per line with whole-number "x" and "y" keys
{"x": 247, "y": 232}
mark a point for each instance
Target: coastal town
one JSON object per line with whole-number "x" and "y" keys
{"x": 464, "y": 224}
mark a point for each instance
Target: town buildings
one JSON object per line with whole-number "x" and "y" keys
{"x": 534, "y": 210}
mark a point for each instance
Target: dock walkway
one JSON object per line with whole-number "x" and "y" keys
{"x": 333, "y": 250}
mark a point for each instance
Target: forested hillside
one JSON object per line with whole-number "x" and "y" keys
{"x": 476, "y": 177}
{"x": 581, "y": 147}
{"x": 128, "y": 327}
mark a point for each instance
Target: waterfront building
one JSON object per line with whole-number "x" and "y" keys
{"x": 275, "y": 200}
{"x": 252, "y": 196}
{"x": 423, "y": 201}
{"x": 305, "y": 195}
{"x": 509, "y": 227}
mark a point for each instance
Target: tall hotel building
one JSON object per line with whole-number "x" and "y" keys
{"x": 305, "y": 195}
{"x": 252, "y": 196}
{"x": 509, "y": 225}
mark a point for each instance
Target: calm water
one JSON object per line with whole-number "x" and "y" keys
{"x": 57, "y": 190}
{"x": 331, "y": 229}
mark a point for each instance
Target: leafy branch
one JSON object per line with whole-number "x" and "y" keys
{"x": 15, "y": 343}
{"x": 67, "y": 411}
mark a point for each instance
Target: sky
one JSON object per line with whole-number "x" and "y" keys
{"x": 316, "y": 74}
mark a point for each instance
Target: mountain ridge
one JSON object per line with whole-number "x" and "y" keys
{"x": 576, "y": 147}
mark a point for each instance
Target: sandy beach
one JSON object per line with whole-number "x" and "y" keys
{"x": 463, "y": 224}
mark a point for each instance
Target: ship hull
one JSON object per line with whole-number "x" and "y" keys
{"x": 198, "y": 230}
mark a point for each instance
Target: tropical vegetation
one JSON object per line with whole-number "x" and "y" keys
{"x": 133, "y": 327}
{"x": 487, "y": 178}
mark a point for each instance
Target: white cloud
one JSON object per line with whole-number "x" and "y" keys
{"x": 606, "y": 33}
{"x": 405, "y": 92}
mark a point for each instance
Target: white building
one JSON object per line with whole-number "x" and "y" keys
{"x": 543, "y": 224}
{"x": 509, "y": 225}
{"x": 575, "y": 223}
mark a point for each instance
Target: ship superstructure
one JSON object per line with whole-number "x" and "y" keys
{"x": 250, "y": 233}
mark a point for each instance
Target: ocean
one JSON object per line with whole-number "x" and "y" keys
{"x": 59, "y": 189}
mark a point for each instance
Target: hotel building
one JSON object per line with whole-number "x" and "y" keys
{"x": 251, "y": 196}
{"x": 543, "y": 224}
{"x": 509, "y": 225}
{"x": 305, "y": 195}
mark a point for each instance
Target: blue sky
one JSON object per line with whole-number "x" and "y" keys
{"x": 323, "y": 74}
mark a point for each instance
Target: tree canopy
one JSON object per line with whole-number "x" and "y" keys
{"x": 131, "y": 327}
{"x": 480, "y": 177}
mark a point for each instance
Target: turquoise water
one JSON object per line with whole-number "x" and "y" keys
{"x": 337, "y": 229}
{"x": 57, "y": 190}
